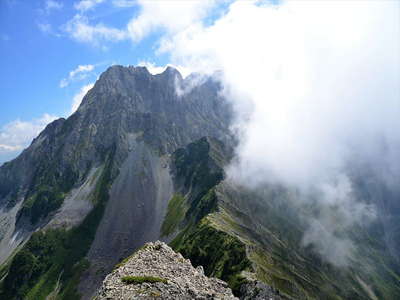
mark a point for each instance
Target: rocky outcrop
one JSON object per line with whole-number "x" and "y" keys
{"x": 257, "y": 290}
{"x": 157, "y": 272}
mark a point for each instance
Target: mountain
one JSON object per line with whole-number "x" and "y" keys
{"x": 143, "y": 159}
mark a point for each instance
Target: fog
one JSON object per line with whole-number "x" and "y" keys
{"x": 315, "y": 88}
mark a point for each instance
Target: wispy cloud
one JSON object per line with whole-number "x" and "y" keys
{"x": 80, "y": 30}
{"x": 45, "y": 27}
{"x": 124, "y": 3}
{"x": 85, "y": 5}
{"x": 171, "y": 16}
{"x": 51, "y": 5}
{"x": 79, "y": 73}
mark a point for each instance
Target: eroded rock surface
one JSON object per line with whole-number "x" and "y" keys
{"x": 183, "y": 281}
{"x": 257, "y": 290}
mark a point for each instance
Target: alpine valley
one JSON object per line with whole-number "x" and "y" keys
{"x": 144, "y": 159}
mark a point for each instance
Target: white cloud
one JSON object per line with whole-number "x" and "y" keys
{"x": 17, "y": 135}
{"x": 80, "y": 30}
{"x": 81, "y": 69}
{"x": 79, "y": 96}
{"x": 9, "y": 148}
{"x": 171, "y": 15}
{"x": 81, "y": 72}
{"x": 124, "y": 3}
{"x": 314, "y": 84}
{"x": 154, "y": 69}
{"x": 52, "y": 5}
{"x": 85, "y": 5}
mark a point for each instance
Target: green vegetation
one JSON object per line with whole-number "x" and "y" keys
{"x": 47, "y": 191}
{"x": 35, "y": 259}
{"x": 142, "y": 279}
{"x": 42, "y": 203}
{"x": 56, "y": 255}
{"x": 221, "y": 255}
{"x": 197, "y": 172}
{"x": 175, "y": 215}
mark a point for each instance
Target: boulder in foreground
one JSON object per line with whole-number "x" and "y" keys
{"x": 156, "y": 271}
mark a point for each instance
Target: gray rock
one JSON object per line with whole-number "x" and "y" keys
{"x": 257, "y": 290}
{"x": 156, "y": 259}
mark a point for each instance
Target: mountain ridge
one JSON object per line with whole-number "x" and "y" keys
{"x": 138, "y": 162}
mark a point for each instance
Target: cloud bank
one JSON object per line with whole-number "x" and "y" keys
{"x": 314, "y": 85}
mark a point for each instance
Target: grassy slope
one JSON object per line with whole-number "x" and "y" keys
{"x": 175, "y": 214}
{"x": 227, "y": 236}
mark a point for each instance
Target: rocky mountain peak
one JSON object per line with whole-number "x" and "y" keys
{"x": 156, "y": 271}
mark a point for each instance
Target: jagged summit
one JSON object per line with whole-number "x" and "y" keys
{"x": 171, "y": 71}
{"x": 118, "y": 70}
